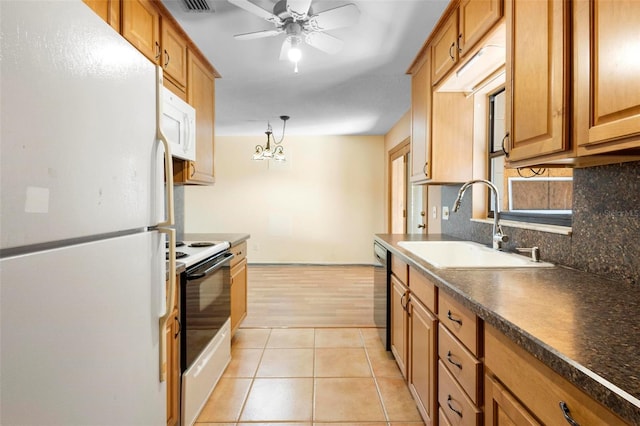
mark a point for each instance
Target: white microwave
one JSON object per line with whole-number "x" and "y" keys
{"x": 179, "y": 125}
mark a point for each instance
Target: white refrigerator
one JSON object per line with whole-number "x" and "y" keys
{"x": 84, "y": 212}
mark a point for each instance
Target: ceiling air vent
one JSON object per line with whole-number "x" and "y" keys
{"x": 200, "y": 6}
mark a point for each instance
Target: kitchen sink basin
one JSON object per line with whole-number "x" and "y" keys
{"x": 467, "y": 254}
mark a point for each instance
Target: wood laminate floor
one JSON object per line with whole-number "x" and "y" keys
{"x": 309, "y": 296}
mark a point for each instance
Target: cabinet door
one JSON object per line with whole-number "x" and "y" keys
{"x": 108, "y": 10}
{"x": 174, "y": 53}
{"x": 173, "y": 368}
{"x": 399, "y": 323}
{"x": 141, "y": 26}
{"x": 444, "y": 51}
{"x": 200, "y": 95}
{"x": 452, "y": 137}
{"x": 421, "y": 122}
{"x": 607, "y": 70}
{"x": 537, "y": 78}
{"x": 476, "y": 18}
{"x": 502, "y": 409}
{"x": 238, "y": 294}
{"x": 422, "y": 359}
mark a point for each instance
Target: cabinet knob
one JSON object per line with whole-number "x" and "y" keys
{"x": 167, "y": 58}
{"x": 567, "y": 415}
{"x": 157, "y": 50}
{"x": 453, "y": 45}
{"x": 450, "y": 317}
{"x": 458, "y": 412}
{"x": 506, "y": 154}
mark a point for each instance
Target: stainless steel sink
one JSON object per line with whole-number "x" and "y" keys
{"x": 467, "y": 254}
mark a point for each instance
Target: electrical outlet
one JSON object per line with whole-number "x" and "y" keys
{"x": 256, "y": 246}
{"x": 445, "y": 213}
{"x": 434, "y": 212}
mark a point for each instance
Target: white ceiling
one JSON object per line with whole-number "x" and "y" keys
{"x": 363, "y": 90}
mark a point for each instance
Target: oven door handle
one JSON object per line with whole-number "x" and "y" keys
{"x": 212, "y": 269}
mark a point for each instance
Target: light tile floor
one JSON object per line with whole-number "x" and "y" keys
{"x": 304, "y": 376}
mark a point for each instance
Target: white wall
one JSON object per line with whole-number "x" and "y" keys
{"x": 322, "y": 206}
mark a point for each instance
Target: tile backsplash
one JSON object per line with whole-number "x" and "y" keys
{"x": 606, "y": 224}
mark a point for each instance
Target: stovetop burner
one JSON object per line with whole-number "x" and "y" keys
{"x": 197, "y": 251}
{"x": 179, "y": 255}
{"x": 178, "y": 244}
{"x": 202, "y": 244}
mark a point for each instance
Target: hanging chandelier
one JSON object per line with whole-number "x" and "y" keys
{"x": 270, "y": 151}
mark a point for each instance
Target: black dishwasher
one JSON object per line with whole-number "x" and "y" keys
{"x": 381, "y": 294}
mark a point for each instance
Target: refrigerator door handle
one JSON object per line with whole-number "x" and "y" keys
{"x": 171, "y": 293}
{"x": 168, "y": 162}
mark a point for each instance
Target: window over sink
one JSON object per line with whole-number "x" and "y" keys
{"x": 530, "y": 194}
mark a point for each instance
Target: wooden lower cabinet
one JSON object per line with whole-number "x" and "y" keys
{"x": 502, "y": 409}
{"x": 172, "y": 331}
{"x": 238, "y": 285}
{"x": 541, "y": 393}
{"x": 423, "y": 356}
{"x": 459, "y": 366}
{"x": 173, "y": 368}
{"x": 399, "y": 323}
{"x": 238, "y": 294}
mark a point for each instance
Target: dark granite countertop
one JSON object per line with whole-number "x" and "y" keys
{"x": 584, "y": 327}
{"x": 234, "y": 239}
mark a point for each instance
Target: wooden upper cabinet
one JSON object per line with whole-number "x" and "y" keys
{"x": 141, "y": 27}
{"x": 606, "y": 75}
{"x": 200, "y": 95}
{"x": 476, "y": 18}
{"x": 452, "y": 137}
{"x": 174, "y": 53}
{"x": 537, "y": 78}
{"x": 108, "y": 10}
{"x": 444, "y": 50}
{"x": 421, "y": 122}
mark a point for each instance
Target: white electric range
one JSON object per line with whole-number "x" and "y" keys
{"x": 192, "y": 252}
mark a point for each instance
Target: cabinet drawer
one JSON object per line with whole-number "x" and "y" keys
{"x": 423, "y": 289}
{"x": 456, "y": 405}
{"x": 539, "y": 388}
{"x": 400, "y": 269}
{"x": 239, "y": 252}
{"x": 461, "y": 322}
{"x": 461, "y": 363}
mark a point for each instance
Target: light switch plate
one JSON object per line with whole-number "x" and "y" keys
{"x": 445, "y": 213}
{"x": 434, "y": 212}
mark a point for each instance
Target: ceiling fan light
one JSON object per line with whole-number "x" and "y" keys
{"x": 295, "y": 54}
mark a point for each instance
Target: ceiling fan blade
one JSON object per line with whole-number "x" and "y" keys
{"x": 257, "y": 34}
{"x": 256, "y": 10}
{"x": 338, "y": 17}
{"x": 325, "y": 42}
{"x": 299, "y": 9}
{"x": 284, "y": 51}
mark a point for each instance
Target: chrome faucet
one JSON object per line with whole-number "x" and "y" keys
{"x": 498, "y": 236}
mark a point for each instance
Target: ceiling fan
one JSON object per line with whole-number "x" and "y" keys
{"x": 296, "y": 19}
